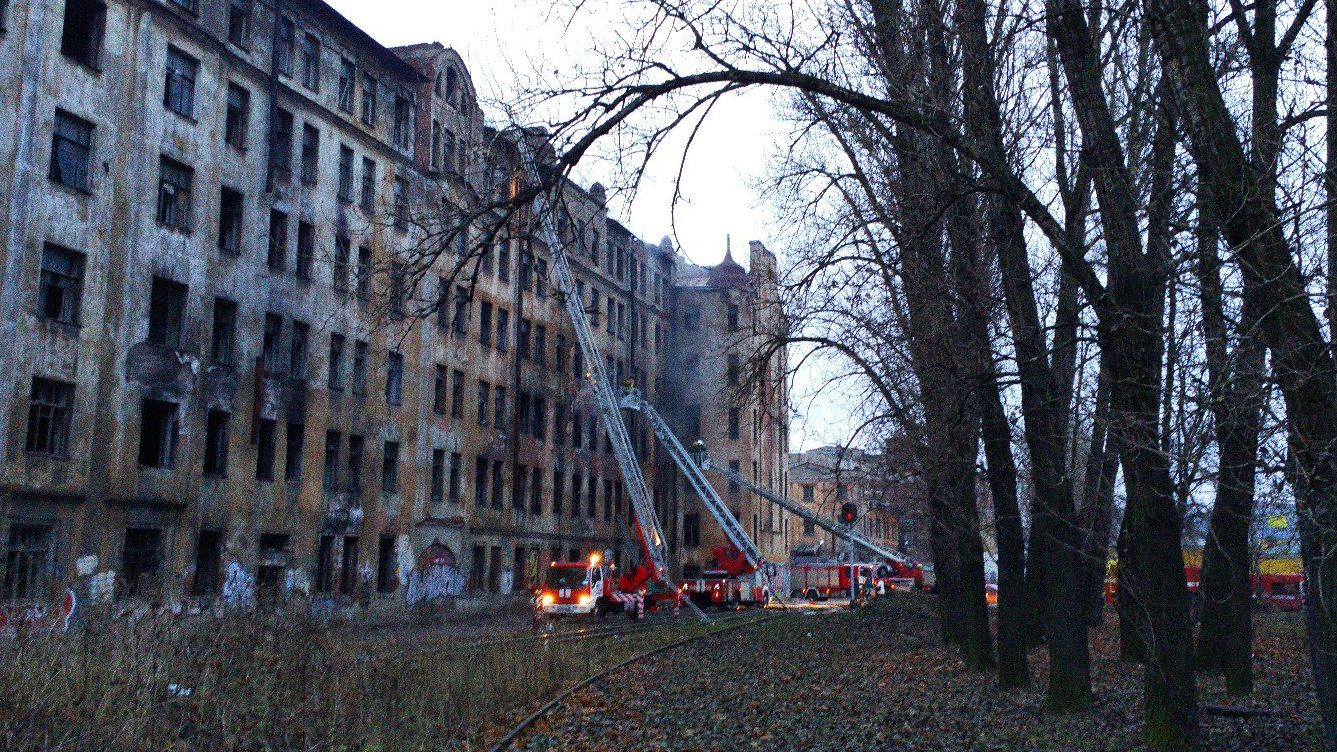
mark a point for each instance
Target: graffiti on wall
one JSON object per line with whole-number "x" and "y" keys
{"x": 435, "y": 575}
{"x": 38, "y": 617}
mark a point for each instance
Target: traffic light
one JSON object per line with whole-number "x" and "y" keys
{"x": 849, "y": 512}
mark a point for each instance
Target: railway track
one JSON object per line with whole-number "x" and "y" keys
{"x": 720, "y": 625}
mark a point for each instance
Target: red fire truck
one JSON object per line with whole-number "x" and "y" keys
{"x": 573, "y": 588}
{"x": 818, "y": 581}
{"x": 731, "y": 581}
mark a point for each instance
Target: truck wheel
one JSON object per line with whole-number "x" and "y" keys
{"x": 812, "y": 595}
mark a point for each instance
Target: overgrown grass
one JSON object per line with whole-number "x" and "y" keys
{"x": 279, "y": 682}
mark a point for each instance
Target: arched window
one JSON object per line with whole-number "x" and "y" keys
{"x": 452, "y": 86}
{"x": 437, "y": 86}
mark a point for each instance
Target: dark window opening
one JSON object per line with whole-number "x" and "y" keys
{"x": 330, "y": 479}
{"x": 324, "y": 565}
{"x": 71, "y": 150}
{"x": 158, "y": 434}
{"x": 348, "y": 567}
{"x": 239, "y": 23}
{"x": 356, "y": 445}
{"x": 394, "y": 378}
{"x": 385, "y": 564}
{"x": 60, "y": 287}
{"x": 265, "y": 442}
{"x": 238, "y": 116}
{"x": 306, "y": 250}
{"x": 215, "y": 443}
{"x": 179, "y": 89}
{"x": 390, "y": 468}
{"x": 222, "y": 349}
{"x": 438, "y": 477}
{"x": 174, "y": 188}
{"x": 359, "y": 367}
{"x": 295, "y": 440}
{"x": 310, "y": 157}
{"x": 230, "y": 208}
{"x": 208, "y": 563}
{"x": 277, "y": 256}
{"x": 141, "y": 556}
{"x": 81, "y": 37}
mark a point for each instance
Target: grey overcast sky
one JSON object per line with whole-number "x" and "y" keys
{"x": 503, "y": 41}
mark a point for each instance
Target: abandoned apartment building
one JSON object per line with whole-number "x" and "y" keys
{"x": 203, "y": 400}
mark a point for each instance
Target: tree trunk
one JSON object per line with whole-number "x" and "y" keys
{"x": 1102, "y": 467}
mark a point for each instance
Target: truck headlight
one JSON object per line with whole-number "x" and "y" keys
{"x": 584, "y": 599}
{"x": 548, "y": 599}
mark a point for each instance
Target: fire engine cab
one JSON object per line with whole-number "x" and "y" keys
{"x": 592, "y": 586}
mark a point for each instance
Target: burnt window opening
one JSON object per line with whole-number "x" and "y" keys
{"x": 591, "y": 497}
{"x": 348, "y": 565}
{"x": 736, "y": 468}
{"x": 29, "y": 561}
{"x": 158, "y": 432}
{"x": 691, "y": 529}
{"x": 733, "y": 370}
{"x": 167, "y": 312}
{"x": 60, "y": 285}
{"x": 356, "y": 447}
{"x": 238, "y": 116}
{"x": 477, "y": 572}
{"x": 399, "y": 292}
{"x": 231, "y": 207}
{"x": 559, "y": 424}
{"x": 452, "y": 87}
{"x": 343, "y": 252}
{"x": 498, "y": 487}
{"x": 364, "y": 273}
{"x": 394, "y": 378}
{"x": 456, "y": 469}
{"x": 360, "y": 349}
{"x": 324, "y": 579}
{"x": 440, "y": 389}
{"x": 280, "y": 148}
{"x": 208, "y": 563}
{"x": 504, "y": 261}
{"x": 265, "y": 441}
{"x": 452, "y": 157}
{"x": 330, "y": 479}
{"x": 223, "y": 345}
{"x": 239, "y": 23}
{"x": 536, "y": 490}
{"x": 215, "y": 443}
{"x": 71, "y": 150}
{"x": 174, "y": 189}
{"x": 559, "y": 356}
{"x": 347, "y": 79}
{"x": 608, "y": 500}
{"x": 438, "y": 476}
{"x": 499, "y": 407}
{"x": 345, "y": 174}
{"x": 442, "y": 304}
{"x": 523, "y": 342}
{"x": 519, "y": 489}
{"x": 285, "y": 40}
{"x": 306, "y": 250}
{"x": 734, "y": 421}
{"x": 269, "y": 348}
{"x": 809, "y": 527}
{"x": 310, "y": 157}
{"x": 50, "y": 411}
{"x": 368, "y": 185}
{"x": 298, "y": 351}
{"x": 271, "y": 567}
{"x": 401, "y": 198}
{"x": 81, "y": 36}
{"x": 179, "y": 86}
{"x": 294, "y": 443}
{"x": 460, "y": 322}
{"x": 457, "y": 395}
{"x": 277, "y": 255}
{"x": 503, "y": 329}
{"x": 368, "y": 99}
{"x": 484, "y": 395}
{"x": 311, "y": 62}
{"x": 390, "y": 468}
{"x": 732, "y": 317}
{"x": 385, "y": 564}
{"x": 335, "y": 379}
{"x": 480, "y": 482}
{"x": 577, "y": 429}
{"x": 558, "y": 490}
{"x": 403, "y": 131}
{"x": 141, "y": 558}
{"x": 540, "y": 354}
{"x": 485, "y": 324}
{"x": 575, "y": 495}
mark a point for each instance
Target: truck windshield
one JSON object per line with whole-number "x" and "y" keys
{"x": 566, "y": 577}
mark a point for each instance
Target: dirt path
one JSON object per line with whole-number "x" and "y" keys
{"x": 878, "y": 680}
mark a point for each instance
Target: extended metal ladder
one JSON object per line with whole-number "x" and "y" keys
{"x": 605, "y": 397}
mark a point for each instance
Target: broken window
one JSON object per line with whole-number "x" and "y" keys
{"x": 734, "y": 421}
{"x": 230, "y": 215}
{"x": 485, "y": 324}
{"x": 335, "y": 380}
{"x": 504, "y": 261}
{"x": 438, "y": 477}
{"x": 364, "y": 272}
{"x": 691, "y": 529}
{"x": 536, "y": 490}
{"x": 49, "y": 413}
{"x": 477, "y": 572}
{"x": 359, "y": 367}
{"x": 499, "y": 407}
{"x": 179, "y": 89}
{"x": 591, "y": 492}
{"x": 280, "y": 151}
{"x": 271, "y": 566}
{"x": 208, "y": 563}
{"x": 81, "y": 37}
{"x": 348, "y": 567}
{"x": 461, "y": 320}
{"x": 215, "y": 443}
{"x": 330, "y": 479}
{"x": 385, "y": 564}
{"x": 28, "y": 561}
{"x": 440, "y": 387}
{"x": 503, "y": 328}
{"x": 356, "y": 444}
{"x": 522, "y": 343}
{"x": 345, "y": 173}
{"x": 455, "y": 470}
{"x": 71, "y": 148}
{"x": 403, "y": 121}
{"x": 310, "y": 153}
{"x": 497, "y": 486}
{"x": 390, "y": 468}
{"x": 222, "y": 350}
{"x": 324, "y": 579}
{"x": 141, "y": 555}
{"x": 484, "y": 395}
{"x": 265, "y": 442}
{"x": 269, "y": 347}
{"x": 736, "y": 468}
{"x": 394, "y": 378}
{"x": 347, "y": 76}
{"x": 559, "y": 424}
{"x": 343, "y": 252}
{"x": 311, "y": 62}
{"x": 238, "y": 116}
{"x": 167, "y": 309}
{"x": 368, "y": 99}
{"x": 174, "y": 184}
{"x": 558, "y": 490}
{"x": 733, "y": 370}
{"x": 480, "y": 482}
{"x": 285, "y": 39}
{"x": 294, "y": 441}
{"x": 401, "y": 203}
{"x": 60, "y": 287}
{"x": 306, "y": 250}
{"x": 158, "y": 434}
{"x": 277, "y": 256}
{"x": 298, "y": 350}
{"x": 368, "y": 185}
{"x": 239, "y": 23}
{"x": 576, "y": 484}
{"x": 452, "y": 86}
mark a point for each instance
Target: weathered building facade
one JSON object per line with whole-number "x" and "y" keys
{"x": 218, "y": 382}
{"x": 889, "y": 498}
